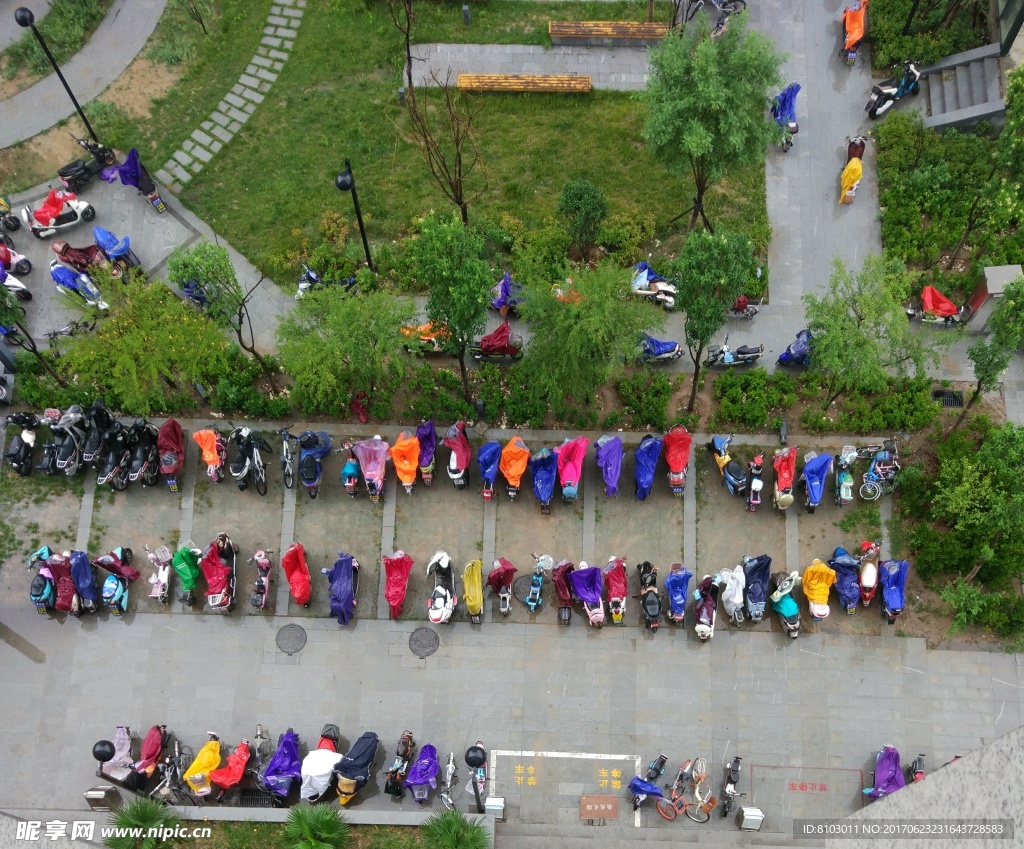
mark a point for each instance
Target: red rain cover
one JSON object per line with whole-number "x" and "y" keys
{"x": 406, "y": 454}
{"x": 234, "y": 768}
{"x": 297, "y": 572}
{"x": 501, "y": 575}
{"x": 461, "y": 446}
{"x": 396, "y": 567}
{"x": 934, "y": 302}
{"x": 152, "y": 746}
{"x": 52, "y": 206}
{"x": 170, "y": 441}
{"x": 785, "y": 468}
{"x": 64, "y": 586}
{"x": 677, "y": 448}
{"x": 615, "y": 579}
{"x": 498, "y": 341}
{"x": 215, "y": 571}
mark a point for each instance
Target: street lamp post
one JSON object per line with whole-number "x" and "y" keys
{"x": 25, "y": 18}
{"x": 346, "y": 182}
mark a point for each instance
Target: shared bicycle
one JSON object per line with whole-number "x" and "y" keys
{"x": 690, "y": 778}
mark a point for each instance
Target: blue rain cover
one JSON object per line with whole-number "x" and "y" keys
{"x": 323, "y": 447}
{"x": 677, "y": 585}
{"x": 847, "y": 569}
{"x": 785, "y": 606}
{"x": 643, "y": 274}
{"x": 587, "y": 584}
{"x": 893, "y": 575}
{"x": 721, "y": 444}
{"x": 342, "y": 588}
{"x": 646, "y": 460}
{"x": 425, "y": 769}
{"x": 608, "y": 451}
{"x": 756, "y": 572}
{"x": 543, "y": 468}
{"x": 81, "y": 574}
{"x": 285, "y": 766}
{"x": 815, "y": 472}
{"x": 488, "y": 458}
{"x": 355, "y": 766}
{"x": 427, "y": 436}
{"x": 799, "y": 350}
{"x": 64, "y": 276}
{"x": 652, "y": 347}
{"x": 639, "y": 787}
{"x": 784, "y": 105}
{"x": 110, "y": 244}
{"x": 506, "y": 292}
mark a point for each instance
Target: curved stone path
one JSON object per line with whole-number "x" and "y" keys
{"x": 239, "y": 103}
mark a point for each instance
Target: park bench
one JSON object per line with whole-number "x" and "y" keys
{"x": 606, "y": 33}
{"x": 567, "y": 83}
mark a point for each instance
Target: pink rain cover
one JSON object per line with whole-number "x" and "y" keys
{"x": 677, "y": 448}
{"x": 934, "y": 302}
{"x": 396, "y": 568}
{"x": 294, "y": 565}
{"x": 215, "y": 571}
{"x": 785, "y": 468}
{"x": 371, "y": 454}
{"x": 615, "y": 579}
{"x": 570, "y": 460}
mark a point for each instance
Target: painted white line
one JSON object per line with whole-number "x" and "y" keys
{"x": 1007, "y": 683}
{"x": 1002, "y": 707}
{"x": 816, "y": 654}
{"x": 911, "y": 669}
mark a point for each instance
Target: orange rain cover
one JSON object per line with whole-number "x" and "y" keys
{"x": 207, "y": 441}
{"x": 853, "y": 23}
{"x": 406, "y": 454}
{"x": 514, "y": 458}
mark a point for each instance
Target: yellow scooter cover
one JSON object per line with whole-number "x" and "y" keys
{"x": 817, "y": 580}
{"x": 473, "y": 587}
{"x": 198, "y": 775}
{"x": 851, "y": 175}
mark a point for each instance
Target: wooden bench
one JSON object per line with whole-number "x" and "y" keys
{"x": 560, "y": 83}
{"x": 606, "y": 33}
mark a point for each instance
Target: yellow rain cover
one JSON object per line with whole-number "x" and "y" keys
{"x": 817, "y": 580}
{"x": 207, "y": 441}
{"x": 514, "y": 458}
{"x": 851, "y": 175}
{"x": 208, "y": 759}
{"x": 473, "y": 587}
{"x": 406, "y": 454}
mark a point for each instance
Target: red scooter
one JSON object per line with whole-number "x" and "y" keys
{"x": 677, "y": 454}
{"x": 498, "y": 345}
{"x": 560, "y": 576}
{"x": 83, "y": 260}
{"x": 869, "y": 556}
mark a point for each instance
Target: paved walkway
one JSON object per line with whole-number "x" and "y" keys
{"x": 116, "y": 42}
{"x": 10, "y": 32}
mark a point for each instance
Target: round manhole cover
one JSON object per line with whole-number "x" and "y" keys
{"x": 521, "y": 587}
{"x": 291, "y": 638}
{"x": 424, "y": 642}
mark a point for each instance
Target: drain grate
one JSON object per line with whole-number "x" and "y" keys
{"x": 252, "y": 798}
{"x": 291, "y": 639}
{"x": 424, "y": 642}
{"x": 950, "y": 398}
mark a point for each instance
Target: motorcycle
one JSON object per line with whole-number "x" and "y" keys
{"x": 853, "y": 172}
{"x": 400, "y": 766}
{"x": 458, "y": 463}
{"x": 888, "y": 775}
{"x": 83, "y": 260}
{"x": 133, "y": 173}
{"x": 571, "y": 454}
{"x": 215, "y": 454}
{"x": 870, "y": 553}
{"x": 145, "y": 463}
{"x": 755, "y": 483}
{"x": 677, "y": 586}
{"x": 618, "y": 590}
{"x": 69, "y": 434}
{"x": 160, "y": 580}
{"x": 218, "y": 565}
{"x": 372, "y": 455}
{"x": 41, "y": 590}
{"x": 844, "y": 477}
{"x": 59, "y": 211}
{"x": 313, "y": 447}
{"x": 76, "y": 175}
{"x": 284, "y": 767}
{"x": 641, "y": 788}
{"x": 19, "y": 290}
{"x": 115, "y": 588}
{"x": 785, "y": 471}
{"x": 186, "y": 564}
{"x": 344, "y": 582}
{"x": 423, "y": 775}
{"x": 894, "y": 584}
{"x": 543, "y": 467}
{"x": 247, "y": 464}
{"x": 12, "y": 261}
{"x": 488, "y": 458}
{"x": 732, "y": 474}
{"x": 846, "y": 567}
{"x": 724, "y": 355}
{"x": 317, "y": 770}
{"x": 706, "y": 607}
{"x": 534, "y": 596}
{"x": 499, "y": 344}
{"x": 936, "y": 308}
{"x": 915, "y": 772}
{"x": 650, "y": 600}
{"x": 406, "y": 455}
{"x": 784, "y": 604}
{"x": 500, "y": 581}
{"x": 784, "y": 113}
{"x": 309, "y": 279}
{"x": 443, "y": 600}
{"x": 817, "y": 580}
{"x": 515, "y": 457}
{"x": 732, "y": 582}
{"x": 608, "y": 453}
{"x": 560, "y": 578}
{"x": 658, "y": 350}
{"x": 732, "y": 780}
{"x": 353, "y": 770}
{"x": 76, "y": 285}
{"x": 885, "y": 94}
{"x": 816, "y": 471}
{"x": 756, "y": 571}
{"x": 646, "y": 462}
{"x": 231, "y": 773}
{"x": 427, "y": 437}
{"x": 646, "y": 283}
{"x": 473, "y": 590}
{"x": 117, "y": 456}
{"x": 798, "y": 352}
{"x": 507, "y": 296}
{"x": 396, "y": 573}
{"x": 117, "y": 251}
{"x": 7, "y": 217}
{"x": 853, "y": 30}
{"x": 742, "y": 308}
{"x": 677, "y": 445}
{"x": 261, "y": 587}
{"x": 350, "y": 471}
{"x": 587, "y": 585}
{"x": 422, "y": 339}
{"x": 297, "y": 572}
{"x": 19, "y": 453}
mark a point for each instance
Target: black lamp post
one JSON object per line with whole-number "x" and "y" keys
{"x": 25, "y": 18}
{"x": 346, "y": 182}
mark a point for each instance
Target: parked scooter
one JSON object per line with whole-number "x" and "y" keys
{"x": 846, "y": 567}
{"x": 543, "y": 467}
{"x": 817, "y": 580}
{"x": 756, "y": 572}
{"x": 19, "y": 453}
{"x": 618, "y": 591}
{"x": 658, "y": 350}
{"x": 84, "y": 575}
{"x": 854, "y": 27}
{"x": 755, "y": 482}
{"x": 784, "y": 113}
{"x": 646, "y": 283}
{"x": 498, "y": 344}
{"x": 798, "y": 352}
{"x": 730, "y": 785}
{"x": 14, "y": 262}
{"x": 231, "y": 773}
{"x": 353, "y": 770}
{"x": 59, "y": 211}
{"x": 893, "y": 574}
{"x": 186, "y": 564}
{"x": 646, "y": 456}
{"x": 145, "y": 463}
{"x": 850, "y": 176}
{"x": 488, "y": 458}
{"x": 77, "y": 174}
{"x": 247, "y": 465}
{"x": 293, "y": 564}
{"x": 170, "y": 445}
{"x": 733, "y": 476}
{"x": 560, "y": 578}
{"x": 372, "y": 455}
{"x": 515, "y": 457}
{"x": 443, "y": 599}
{"x": 937, "y": 309}
{"x": 784, "y": 604}
{"x": 76, "y": 285}
{"x": 650, "y": 600}
{"x": 214, "y": 450}
{"x": 261, "y": 588}
{"x": 313, "y": 447}
{"x": 13, "y": 285}
{"x": 885, "y": 94}
{"x": 218, "y": 565}
{"x": 309, "y": 280}
{"x": 83, "y": 260}
{"x": 844, "y": 477}
{"x": 706, "y": 607}
{"x": 400, "y": 766}
{"x": 870, "y": 552}
{"x": 458, "y": 462}
{"x": 344, "y": 582}
{"x": 542, "y": 565}
{"x": 915, "y": 772}
{"x": 406, "y": 456}
{"x": 69, "y": 434}
{"x": 677, "y": 445}
{"x": 641, "y": 788}
{"x": 507, "y": 295}
{"x": 677, "y": 587}
{"x": 116, "y": 455}
{"x": 785, "y": 472}
{"x": 118, "y": 251}
{"x": 317, "y": 770}
{"x": 723, "y": 355}
{"x": 427, "y": 437}
{"x": 742, "y": 308}
{"x": 888, "y": 775}
{"x": 816, "y": 471}
{"x": 588, "y": 585}
{"x": 473, "y": 590}
{"x": 115, "y": 588}
{"x": 608, "y": 454}
{"x": 571, "y": 454}
{"x": 731, "y": 582}
{"x": 160, "y": 580}
{"x": 41, "y": 590}
{"x": 500, "y": 581}
{"x": 9, "y": 220}
{"x": 133, "y": 173}
{"x": 423, "y": 775}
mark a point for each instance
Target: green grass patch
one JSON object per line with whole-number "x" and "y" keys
{"x": 66, "y": 28}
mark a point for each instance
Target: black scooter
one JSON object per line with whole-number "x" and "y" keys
{"x": 76, "y": 175}
{"x": 145, "y": 463}
{"x": 100, "y": 421}
{"x": 19, "y": 454}
{"x": 732, "y": 779}
{"x": 117, "y": 458}
{"x": 650, "y": 601}
{"x": 393, "y": 785}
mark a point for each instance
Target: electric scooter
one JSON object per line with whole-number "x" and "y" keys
{"x": 75, "y": 175}
{"x": 60, "y": 211}
{"x": 732, "y": 779}
{"x": 261, "y": 588}
{"x": 755, "y": 483}
{"x": 885, "y": 94}
{"x": 870, "y": 552}
{"x": 443, "y": 600}
{"x": 784, "y": 604}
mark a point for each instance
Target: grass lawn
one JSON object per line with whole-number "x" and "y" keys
{"x": 259, "y": 835}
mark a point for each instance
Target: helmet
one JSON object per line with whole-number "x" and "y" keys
{"x": 703, "y": 632}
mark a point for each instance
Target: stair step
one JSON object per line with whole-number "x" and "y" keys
{"x": 930, "y": 94}
{"x": 968, "y": 117}
{"x": 992, "y": 80}
{"x": 949, "y": 98}
{"x": 977, "y": 71}
{"x": 963, "y": 86}
{"x": 962, "y": 58}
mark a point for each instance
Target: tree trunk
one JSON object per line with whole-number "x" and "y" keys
{"x": 696, "y": 378}
{"x": 464, "y": 209}
{"x": 29, "y": 344}
{"x": 970, "y": 576}
{"x": 650, "y": 11}
{"x": 251, "y": 350}
{"x": 963, "y": 413}
{"x": 951, "y": 12}
{"x": 465, "y": 375}
{"x": 694, "y": 216}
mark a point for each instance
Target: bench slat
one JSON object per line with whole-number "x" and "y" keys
{"x": 524, "y": 82}
{"x": 606, "y": 29}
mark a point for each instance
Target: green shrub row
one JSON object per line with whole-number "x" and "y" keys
{"x": 645, "y": 396}
{"x": 930, "y": 38}
{"x": 907, "y": 405}
{"x": 752, "y": 400}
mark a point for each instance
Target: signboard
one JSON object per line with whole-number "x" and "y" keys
{"x": 599, "y": 807}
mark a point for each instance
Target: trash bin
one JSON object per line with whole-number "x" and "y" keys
{"x": 751, "y": 819}
{"x": 103, "y": 797}
{"x": 495, "y": 806}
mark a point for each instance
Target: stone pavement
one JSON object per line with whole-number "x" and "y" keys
{"x": 113, "y": 46}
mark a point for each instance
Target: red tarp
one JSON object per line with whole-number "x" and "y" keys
{"x": 396, "y": 567}
{"x": 677, "y": 448}
{"x": 615, "y": 579}
{"x": 560, "y": 576}
{"x": 215, "y": 571}
{"x": 934, "y": 302}
{"x": 63, "y": 584}
{"x": 297, "y": 572}
{"x": 231, "y": 773}
{"x": 170, "y": 441}
{"x": 785, "y": 468}
{"x": 152, "y": 746}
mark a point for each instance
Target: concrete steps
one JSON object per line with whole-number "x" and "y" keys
{"x": 963, "y": 89}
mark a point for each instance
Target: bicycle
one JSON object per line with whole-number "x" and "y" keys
{"x": 287, "y": 452}
{"x": 72, "y": 328}
{"x": 726, "y": 8}
{"x": 260, "y": 758}
{"x": 700, "y": 807}
{"x": 879, "y": 479}
{"x": 172, "y": 789}
{"x": 449, "y": 779}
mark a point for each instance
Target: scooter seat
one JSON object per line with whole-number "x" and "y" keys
{"x": 307, "y": 469}
{"x": 72, "y": 168}
{"x": 238, "y": 463}
{"x": 745, "y": 351}
{"x": 735, "y": 471}
{"x": 652, "y": 605}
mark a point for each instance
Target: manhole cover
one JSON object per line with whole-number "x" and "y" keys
{"x": 521, "y": 587}
{"x": 291, "y": 639}
{"x": 424, "y": 642}
{"x": 950, "y": 398}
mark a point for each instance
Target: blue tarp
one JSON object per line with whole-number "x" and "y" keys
{"x": 651, "y": 347}
{"x": 285, "y": 766}
{"x": 639, "y": 787}
{"x": 543, "y": 469}
{"x": 342, "y": 581}
{"x": 847, "y": 569}
{"x": 82, "y": 575}
{"x": 646, "y": 460}
{"x": 677, "y": 585}
{"x": 110, "y": 244}
{"x": 893, "y": 576}
{"x": 784, "y": 105}
{"x": 488, "y": 458}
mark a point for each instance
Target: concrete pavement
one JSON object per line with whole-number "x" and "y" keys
{"x": 10, "y": 32}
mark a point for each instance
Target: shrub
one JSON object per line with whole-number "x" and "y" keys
{"x": 145, "y": 815}
{"x": 435, "y": 394}
{"x": 623, "y": 236}
{"x": 613, "y": 420}
{"x": 489, "y": 391}
{"x": 747, "y": 399}
{"x": 906, "y": 405}
{"x": 540, "y": 256}
{"x": 236, "y": 390}
{"x": 645, "y": 396}
{"x": 928, "y": 41}
{"x": 525, "y": 405}
{"x": 583, "y": 206}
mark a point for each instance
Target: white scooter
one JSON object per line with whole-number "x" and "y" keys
{"x": 723, "y": 355}
{"x": 160, "y": 580}
{"x": 14, "y": 285}
{"x": 59, "y": 211}
{"x": 11, "y": 259}
{"x": 443, "y": 599}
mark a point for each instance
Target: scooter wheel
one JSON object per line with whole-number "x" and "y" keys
{"x": 12, "y": 222}
{"x": 23, "y": 267}
{"x": 38, "y": 234}
{"x": 24, "y": 295}
{"x": 872, "y": 114}
{"x": 127, "y": 553}
{"x": 88, "y": 214}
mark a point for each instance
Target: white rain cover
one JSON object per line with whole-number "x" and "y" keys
{"x": 317, "y": 767}
{"x": 732, "y": 595}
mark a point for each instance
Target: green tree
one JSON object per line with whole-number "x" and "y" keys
{"x": 227, "y": 302}
{"x": 151, "y": 341}
{"x": 454, "y": 830}
{"x": 335, "y": 345}
{"x": 860, "y": 329}
{"x": 315, "y": 827}
{"x": 448, "y": 260}
{"x": 710, "y": 275}
{"x": 575, "y": 347}
{"x": 12, "y": 314}
{"x": 706, "y": 104}
{"x": 142, "y": 814}
{"x": 583, "y": 206}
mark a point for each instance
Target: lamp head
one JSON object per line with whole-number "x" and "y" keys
{"x": 24, "y": 17}
{"x": 345, "y": 181}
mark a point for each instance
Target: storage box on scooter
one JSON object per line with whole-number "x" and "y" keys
{"x": 750, "y": 819}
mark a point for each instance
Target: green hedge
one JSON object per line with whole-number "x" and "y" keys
{"x": 752, "y": 400}
{"x": 928, "y": 41}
